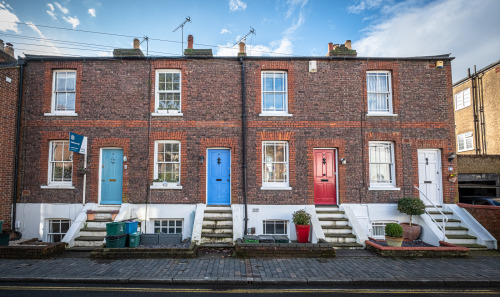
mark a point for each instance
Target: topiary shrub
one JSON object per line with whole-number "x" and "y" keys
{"x": 393, "y": 230}
{"x": 411, "y": 206}
{"x": 301, "y": 217}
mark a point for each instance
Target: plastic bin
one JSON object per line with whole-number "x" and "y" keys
{"x": 250, "y": 239}
{"x": 115, "y": 228}
{"x": 174, "y": 238}
{"x": 266, "y": 239}
{"x": 116, "y": 241}
{"x": 4, "y": 239}
{"x": 281, "y": 239}
{"x": 131, "y": 227}
{"x": 134, "y": 239}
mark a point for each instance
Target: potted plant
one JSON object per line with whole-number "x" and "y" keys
{"x": 452, "y": 178}
{"x": 301, "y": 219}
{"x": 114, "y": 213}
{"x": 394, "y": 234}
{"x": 411, "y": 207}
{"x": 90, "y": 214}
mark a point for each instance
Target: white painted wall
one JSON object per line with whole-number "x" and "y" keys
{"x": 32, "y": 218}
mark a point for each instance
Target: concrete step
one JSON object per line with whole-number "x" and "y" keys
{"x": 216, "y": 240}
{"x": 211, "y": 218}
{"x": 456, "y": 231}
{"x": 438, "y": 213}
{"x": 333, "y": 222}
{"x": 347, "y": 246}
{"x": 462, "y": 239}
{"x": 326, "y": 211}
{"x": 340, "y": 238}
{"x": 89, "y": 241}
{"x": 477, "y": 247}
{"x": 451, "y": 223}
{"x": 217, "y": 235}
{"x": 108, "y": 208}
{"x": 333, "y": 215}
{"x": 225, "y": 226}
{"x": 218, "y": 207}
{"x": 94, "y": 224}
{"x": 92, "y": 232}
{"x": 108, "y": 220}
{"x": 218, "y": 215}
{"x": 210, "y": 210}
{"x": 217, "y": 245}
{"x": 337, "y": 231}
{"x": 90, "y": 238}
{"x": 103, "y": 216}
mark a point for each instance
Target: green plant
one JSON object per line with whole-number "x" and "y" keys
{"x": 393, "y": 230}
{"x": 411, "y": 206}
{"x": 90, "y": 211}
{"x": 301, "y": 217}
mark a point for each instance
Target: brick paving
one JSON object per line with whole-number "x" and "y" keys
{"x": 358, "y": 267}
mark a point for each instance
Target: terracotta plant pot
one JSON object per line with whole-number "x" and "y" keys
{"x": 394, "y": 241}
{"x": 113, "y": 216}
{"x": 90, "y": 216}
{"x": 412, "y": 231}
{"x": 302, "y": 233}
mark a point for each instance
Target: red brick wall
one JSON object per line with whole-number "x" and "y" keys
{"x": 8, "y": 107}
{"x": 488, "y": 216}
{"x": 328, "y": 107}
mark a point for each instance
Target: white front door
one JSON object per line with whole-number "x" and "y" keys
{"x": 429, "y": 175}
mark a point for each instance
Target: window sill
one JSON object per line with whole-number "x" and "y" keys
{"x": 159, "y": 187}
{"x": 60, "y": 114}
{"x": 276, "y": 188}
{"x": 381, "y": 115}
{"x": 58, "y": 187}
{"x": 159, "y": 114}
{"x": 383, "y": 189}
{"x": 264, "y": 114}
{"x": 466, "y": 150}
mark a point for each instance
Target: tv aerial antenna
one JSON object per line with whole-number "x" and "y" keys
{"x": 188, "y": 19}
{"x": 244, "y": 38}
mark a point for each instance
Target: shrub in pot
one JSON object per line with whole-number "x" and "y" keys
{"x": 394, "y": 234}
{"x": 411, "y": 207}
{"x": 301, "y": 219}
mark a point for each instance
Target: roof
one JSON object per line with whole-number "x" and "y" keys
{"x": 198, "y": 52}
{"x": 127, "y": 52}
{"x": 6, "y": 57}
{"x": 484, "y": 69}
{"x": 273, "y": 58}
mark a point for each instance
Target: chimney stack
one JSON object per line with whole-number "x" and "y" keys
{"x": 330, "y": 46}
{"x": 348, "y": 44}
{"x": 242, "y": 52}
{"x": 1, "y": 45}
{"x": 137, "y": 43}
{"x": 335, "y": 50}
{"x": 9, "y": 49}
{"x": 190, "y": 41}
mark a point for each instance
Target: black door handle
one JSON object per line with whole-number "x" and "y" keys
{"x": 219, "y": 179}
{"x": 324, "y": 180}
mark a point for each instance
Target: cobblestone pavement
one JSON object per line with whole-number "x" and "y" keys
{"x": 356, "y": 267}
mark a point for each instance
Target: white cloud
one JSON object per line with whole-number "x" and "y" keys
{"x": 8, "y": 17}
{"x": 51, "y": 11}
{"x": 61, "y": 8}
{"x": 441, "y": 27}
{"x": 51, "y": 7}
{"x": 235, "y": 5}
{"x": 364, "y": 5}
{"x": 74, "y": 21}
{"x": 92, "y": 12}
{"x": 225, "y": 31}
{"x": 293, "y": 5}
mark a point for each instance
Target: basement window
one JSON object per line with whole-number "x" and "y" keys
{"x": 57, "y": 229}
{"x": 168, "y": 226}
{"x": 275, "y": 227}
{"x": 378, "y": 229}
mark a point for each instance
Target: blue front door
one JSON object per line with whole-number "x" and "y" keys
{"x": 111, "y": 176}
{"x": 219, "y": 177}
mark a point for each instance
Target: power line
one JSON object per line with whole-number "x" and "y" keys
{"x": 156, "y": 39}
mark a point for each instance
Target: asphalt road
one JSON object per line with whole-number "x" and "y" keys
{"x": 98, "y": 290}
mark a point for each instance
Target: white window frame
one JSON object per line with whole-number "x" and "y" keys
{"x": 275, "y": 185}
{"x": 62, "y": 184}
{"x": 262, "y": 92}
{"x": 462, "y": 99}
{"x": 381, "y": 185}
{"x": 389, "y": 111}
{"x": 284, "y": 222}
{"x": 53, "y": 110}
{"x": 169, "y": 221}
{"x": 166, "y": 184}
{"x": 379, "y": 224}
{"x": 466, "y": 138}
{"x": 159, "y": 112}
{"x": 50, "y": 234}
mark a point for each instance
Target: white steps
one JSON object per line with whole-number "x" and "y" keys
{"x": 217, "y": 227}
{"x": 94, "y": 231}
{"x": 336, "y": 227}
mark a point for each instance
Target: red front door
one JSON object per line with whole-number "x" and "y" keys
{"x": 325, "y": 180}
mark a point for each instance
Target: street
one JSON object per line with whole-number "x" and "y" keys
{"x": 97, "y": 290}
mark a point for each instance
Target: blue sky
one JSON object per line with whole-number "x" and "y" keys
{"x": 468, "y": 29}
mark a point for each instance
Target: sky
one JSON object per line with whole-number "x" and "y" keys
{"x": 466, "y": 29}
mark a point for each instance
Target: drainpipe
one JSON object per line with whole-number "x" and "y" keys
{"x": 244, "y": 141}
{"x": 16, "y": 160}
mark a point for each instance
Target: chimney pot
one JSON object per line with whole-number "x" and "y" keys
{"x": 242, "y": 50}
{"x": 137, "y": 43}
{"x": 9, "y": 49}
{"x": 348, "y": 44}
{"x": 330, "y": 46}
{"x": 190, "y": 41}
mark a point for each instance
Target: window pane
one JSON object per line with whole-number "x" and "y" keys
{"x": 384, "y": 175}
{"x": 279, "y": 102}
{"x": 280, "y": 172}
{"x": 280, "y": 152}
{"x": 269, "y": 153}
{"x": 168, "y": 78}
{"x": 60, "y": 103}
{"x": 268, "y": 173}
{"x": 64, "y": 226}
{"x": 280, "y": 228}
{"x": 57, "y": 171}
{"x": 61, "y": 81}
{"x": 279, "y": 82}
{"x": 157, "y": 223}
{"x": 70, "y": 81}
{"x": 57, "y": 151}
{"x": 268, "y": 82}
{"x": 164, "y": 223}
{"x": 175, "y": 147}
{"x": 70, "y": 101}
{"x": 68, "y": 169}
{"x": 176, "y": 77}
{"x": 56, "y": 227}
{"x": 269, "y": 102}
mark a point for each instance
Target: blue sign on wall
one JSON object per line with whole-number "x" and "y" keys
{"x": 77, "y": 143}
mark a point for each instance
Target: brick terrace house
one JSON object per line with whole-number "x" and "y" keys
{"x": 477, "y": 105}
{"x": 216, "y": 147}
{"x": 9, "y": 97}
